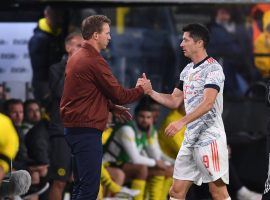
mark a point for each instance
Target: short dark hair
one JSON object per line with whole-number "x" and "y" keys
{"x": 93, "y": 24}
{"x": 71, "y": 35}
{"x": 142, "y": 107}
{"x": 198, "y": 32}
{"x": 9, "y": 103}
{"x": 29, "y": 102}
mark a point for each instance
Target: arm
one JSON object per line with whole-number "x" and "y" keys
{"x": 154, "y": 150}
{"x": 38, "y": 51}
{"x": 127, "y": 138}
{"x": 111, "y": 88}
{"x": 209, "y": 98}
{"x": 171, "y": 101}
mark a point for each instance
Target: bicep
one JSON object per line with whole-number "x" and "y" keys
{"x": 127, "y": 138}
{"x": 177, "y": 96}
{"x": 210, "y": 95}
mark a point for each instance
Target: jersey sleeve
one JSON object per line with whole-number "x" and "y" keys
{"x": 127, "y": 138}
{"x": 153, "y": 149}
{"x": 180, "y": 85}
{"x": 214, "y": 78}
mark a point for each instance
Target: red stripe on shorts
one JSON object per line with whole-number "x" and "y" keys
{"x": 213, "y": 156}
{"x": 218, "y": 169}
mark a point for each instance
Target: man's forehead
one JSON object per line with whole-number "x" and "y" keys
{"x": 145, "y": 112}
{"x": 105, "y": 26}
{"x": 186, "y": 35}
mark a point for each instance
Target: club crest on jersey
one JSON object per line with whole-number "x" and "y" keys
{"x": 190, "y": 77}
{"x": 193, "y": 77}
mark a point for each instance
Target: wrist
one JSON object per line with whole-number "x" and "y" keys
{"x": 111, "y": 106}
{"x": 184, "y": 121}
{"x": 151, "y": 92}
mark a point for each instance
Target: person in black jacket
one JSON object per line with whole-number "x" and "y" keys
{"x": 60, "y": 163}
{"x": 36, "y": 137}
{"x": 45, "y": 49}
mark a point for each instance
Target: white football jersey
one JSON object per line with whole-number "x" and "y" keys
{"x": 209, "y": 127}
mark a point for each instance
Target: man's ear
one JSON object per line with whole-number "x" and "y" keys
{"x": 200, "y": 42}
{"x": 95, "y": 35}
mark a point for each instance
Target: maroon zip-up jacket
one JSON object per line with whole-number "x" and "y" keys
{"x": 90, "y": 90}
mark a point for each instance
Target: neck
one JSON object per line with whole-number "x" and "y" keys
{"x": 94, "y": 44}
{"x": 199, "y": 57}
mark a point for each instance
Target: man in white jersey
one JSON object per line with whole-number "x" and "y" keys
{"x": 203, "y": 157}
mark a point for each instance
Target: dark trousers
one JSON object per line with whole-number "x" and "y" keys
{"x": 86, "y": 149}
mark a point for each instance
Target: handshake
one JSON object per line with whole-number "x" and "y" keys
{"x": 145, "y": 84}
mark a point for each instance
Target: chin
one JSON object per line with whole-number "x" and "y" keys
{"x": 185, "y": 54}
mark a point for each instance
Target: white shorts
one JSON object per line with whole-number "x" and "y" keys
{"x": 203, "y": 164}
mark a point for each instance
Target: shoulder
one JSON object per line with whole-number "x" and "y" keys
{"x": 99, "y": 60}
{"x": 186, "y": 69}
{"x": 126, "y": 132}
{"x": 5, "y": 120}
{"x": 212, "y": 65}
{"x": 126, "y": 129}
{"x": 85, "y": 56}
{"x": 39, "y": 35}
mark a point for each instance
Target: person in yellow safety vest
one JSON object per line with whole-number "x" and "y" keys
{"x": 9, "y": 144}
{"x": 262, "y": 46}
{"x": 112, "y": 178}
{"x": 171, "y": 145}
{"x": 257, "y": 13}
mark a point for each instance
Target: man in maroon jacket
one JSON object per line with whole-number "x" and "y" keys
{"x": 90, "y": 92}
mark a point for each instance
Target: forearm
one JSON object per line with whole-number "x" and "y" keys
{"x": 136, "y": 157}
{"x": 202, "y": 109}
{"x": 126, "y": 137}
{"x": 167, "y": 100}
{"x": 125, "y": 96}
{"x": 111, "y": 88}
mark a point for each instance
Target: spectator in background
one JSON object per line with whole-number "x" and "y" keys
{"x": 257, "y": 13}
{"x": 156, "y": 151}
{"x": 60, "y": 168}
{"x": 14, "y": 109}
{"x": 37, "y": 143}
{"x": 36, "y": 138}
{"x": 45, "y": 49}
{"x": 134, "y": 147}
{"x": 232, "y": 47}
{"x": 171, "y": 145}
{"x": 262, "y": 46}
{"x": 32, "y": 114}
{"x": 112, "y": 177}
{"x": 9, "y": 144}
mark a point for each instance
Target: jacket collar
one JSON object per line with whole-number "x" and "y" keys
{"x": 43, "y": 25}
{"x": 90, "y": 48}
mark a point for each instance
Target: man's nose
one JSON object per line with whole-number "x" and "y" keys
{"x": 181, "y": 44}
